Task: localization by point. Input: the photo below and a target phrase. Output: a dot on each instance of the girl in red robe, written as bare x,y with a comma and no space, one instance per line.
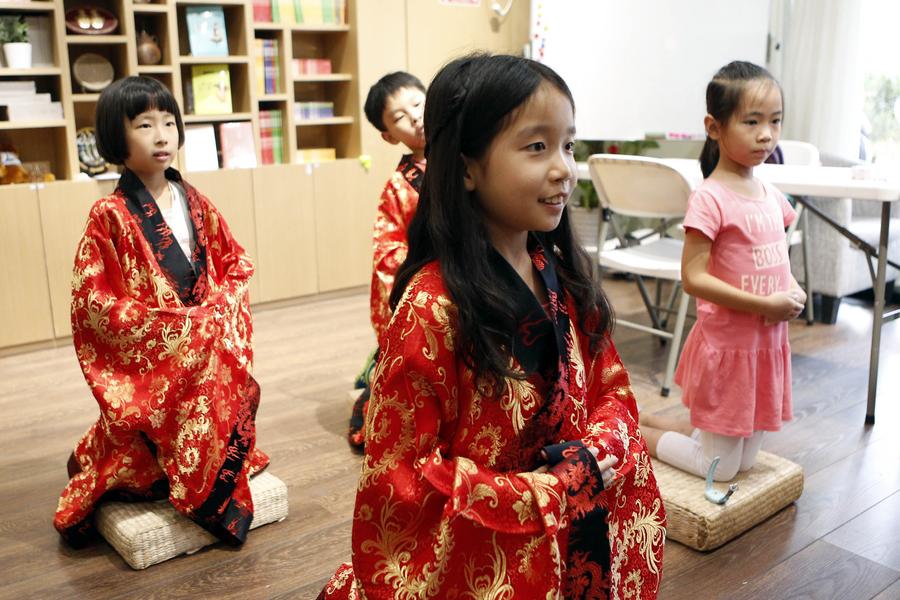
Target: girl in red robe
503,457
162,330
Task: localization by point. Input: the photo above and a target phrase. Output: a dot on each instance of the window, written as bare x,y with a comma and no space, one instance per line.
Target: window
881,64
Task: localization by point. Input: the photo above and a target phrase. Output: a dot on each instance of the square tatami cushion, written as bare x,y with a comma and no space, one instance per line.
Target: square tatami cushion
771,484
146,533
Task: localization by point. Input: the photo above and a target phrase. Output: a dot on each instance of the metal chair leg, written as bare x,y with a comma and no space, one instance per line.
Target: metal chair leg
676,344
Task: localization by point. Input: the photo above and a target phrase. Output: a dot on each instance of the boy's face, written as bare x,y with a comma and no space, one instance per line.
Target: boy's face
402,118
152,141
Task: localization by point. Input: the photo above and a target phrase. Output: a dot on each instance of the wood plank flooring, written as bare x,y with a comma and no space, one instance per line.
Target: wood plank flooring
841,539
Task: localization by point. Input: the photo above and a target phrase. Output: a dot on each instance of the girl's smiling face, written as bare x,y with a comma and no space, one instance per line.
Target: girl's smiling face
152,141
528,172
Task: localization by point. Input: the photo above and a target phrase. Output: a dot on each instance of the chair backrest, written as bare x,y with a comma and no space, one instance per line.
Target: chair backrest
639,186
799,153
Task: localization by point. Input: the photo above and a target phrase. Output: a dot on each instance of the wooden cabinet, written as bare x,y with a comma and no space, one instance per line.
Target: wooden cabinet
24,298
286,244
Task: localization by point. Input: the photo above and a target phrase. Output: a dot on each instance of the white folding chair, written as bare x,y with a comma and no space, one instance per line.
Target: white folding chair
801,153
636,186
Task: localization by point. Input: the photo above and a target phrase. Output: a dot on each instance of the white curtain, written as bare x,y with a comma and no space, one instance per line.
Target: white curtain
822,75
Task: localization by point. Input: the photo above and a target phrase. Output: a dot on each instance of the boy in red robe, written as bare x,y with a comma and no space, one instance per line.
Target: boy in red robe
394,105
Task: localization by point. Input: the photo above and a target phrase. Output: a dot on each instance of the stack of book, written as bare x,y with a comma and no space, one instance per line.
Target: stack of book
19,101
311,66
271,138
304,111
268,66
305,12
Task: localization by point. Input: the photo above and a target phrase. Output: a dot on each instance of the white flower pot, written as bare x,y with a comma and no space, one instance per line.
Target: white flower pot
18,55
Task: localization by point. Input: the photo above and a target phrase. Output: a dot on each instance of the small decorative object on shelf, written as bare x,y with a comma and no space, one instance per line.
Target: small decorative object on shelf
92,72
12,170
206,30
89,159
91,20
14,37
148,52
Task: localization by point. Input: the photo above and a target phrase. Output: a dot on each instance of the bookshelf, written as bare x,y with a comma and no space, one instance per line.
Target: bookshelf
165,22
335,91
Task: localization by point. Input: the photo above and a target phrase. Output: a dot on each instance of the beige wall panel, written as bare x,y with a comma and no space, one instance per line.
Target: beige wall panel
437,33
285,231
231,191
346,199
25,315
381,37
64,211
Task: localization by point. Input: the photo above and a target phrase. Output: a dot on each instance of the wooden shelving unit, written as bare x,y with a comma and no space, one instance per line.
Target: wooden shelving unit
338,44
166,20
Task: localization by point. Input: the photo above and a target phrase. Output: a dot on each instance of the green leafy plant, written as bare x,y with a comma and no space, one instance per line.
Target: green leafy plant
584,148
13,28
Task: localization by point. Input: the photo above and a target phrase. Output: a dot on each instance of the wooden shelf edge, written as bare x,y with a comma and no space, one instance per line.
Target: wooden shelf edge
231,59
33,71
48,124
331,121
150,8
243,116
91,40
323,78
28,6
272,98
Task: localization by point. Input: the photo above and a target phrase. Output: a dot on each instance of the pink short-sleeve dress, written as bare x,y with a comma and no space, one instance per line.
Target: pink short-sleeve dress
735,369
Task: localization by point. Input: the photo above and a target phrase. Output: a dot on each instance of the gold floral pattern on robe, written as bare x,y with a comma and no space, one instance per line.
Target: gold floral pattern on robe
434,519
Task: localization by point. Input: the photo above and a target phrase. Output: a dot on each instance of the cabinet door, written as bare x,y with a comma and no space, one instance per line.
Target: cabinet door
285,232
64,210
346,199
231,191
25,315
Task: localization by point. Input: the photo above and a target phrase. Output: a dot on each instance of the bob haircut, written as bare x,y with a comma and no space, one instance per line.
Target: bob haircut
126,99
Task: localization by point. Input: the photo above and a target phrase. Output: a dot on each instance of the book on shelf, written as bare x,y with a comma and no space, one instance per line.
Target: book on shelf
19,101
236,141
314,155
286,12
268,66
271,137
322,12
262,11
211,89
206,30
200,153
311,66
304,111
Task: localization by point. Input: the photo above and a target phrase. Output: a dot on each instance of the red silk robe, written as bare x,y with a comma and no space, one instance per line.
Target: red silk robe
165,346
448,502
395,211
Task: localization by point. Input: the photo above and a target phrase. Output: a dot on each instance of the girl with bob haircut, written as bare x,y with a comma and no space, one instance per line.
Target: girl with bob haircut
162,331
503,457
735,368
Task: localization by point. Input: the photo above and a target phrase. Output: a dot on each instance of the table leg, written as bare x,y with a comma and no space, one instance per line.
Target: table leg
878,311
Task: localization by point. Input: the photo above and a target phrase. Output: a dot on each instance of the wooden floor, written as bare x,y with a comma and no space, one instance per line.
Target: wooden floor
840,540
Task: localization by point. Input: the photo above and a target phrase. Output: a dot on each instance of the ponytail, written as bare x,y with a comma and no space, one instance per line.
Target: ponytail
709,157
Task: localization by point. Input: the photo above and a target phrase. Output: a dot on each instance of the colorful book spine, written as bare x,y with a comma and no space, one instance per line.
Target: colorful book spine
271,137
262,11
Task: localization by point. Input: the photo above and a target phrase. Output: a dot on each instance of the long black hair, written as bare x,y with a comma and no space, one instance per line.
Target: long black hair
469,102
723,97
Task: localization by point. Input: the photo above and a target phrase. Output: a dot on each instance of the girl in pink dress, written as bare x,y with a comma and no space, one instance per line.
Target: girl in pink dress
735,368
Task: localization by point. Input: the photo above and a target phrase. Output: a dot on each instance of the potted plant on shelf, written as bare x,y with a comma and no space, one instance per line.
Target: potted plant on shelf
14,37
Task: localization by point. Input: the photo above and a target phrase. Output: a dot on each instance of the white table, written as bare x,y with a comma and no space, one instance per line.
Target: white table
827,182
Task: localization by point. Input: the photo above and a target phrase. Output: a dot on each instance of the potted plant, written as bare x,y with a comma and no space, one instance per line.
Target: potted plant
14,37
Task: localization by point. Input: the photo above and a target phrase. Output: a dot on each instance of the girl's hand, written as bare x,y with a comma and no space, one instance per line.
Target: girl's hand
605,466
783,306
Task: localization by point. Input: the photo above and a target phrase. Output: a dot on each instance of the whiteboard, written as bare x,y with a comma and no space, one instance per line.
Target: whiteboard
639,67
